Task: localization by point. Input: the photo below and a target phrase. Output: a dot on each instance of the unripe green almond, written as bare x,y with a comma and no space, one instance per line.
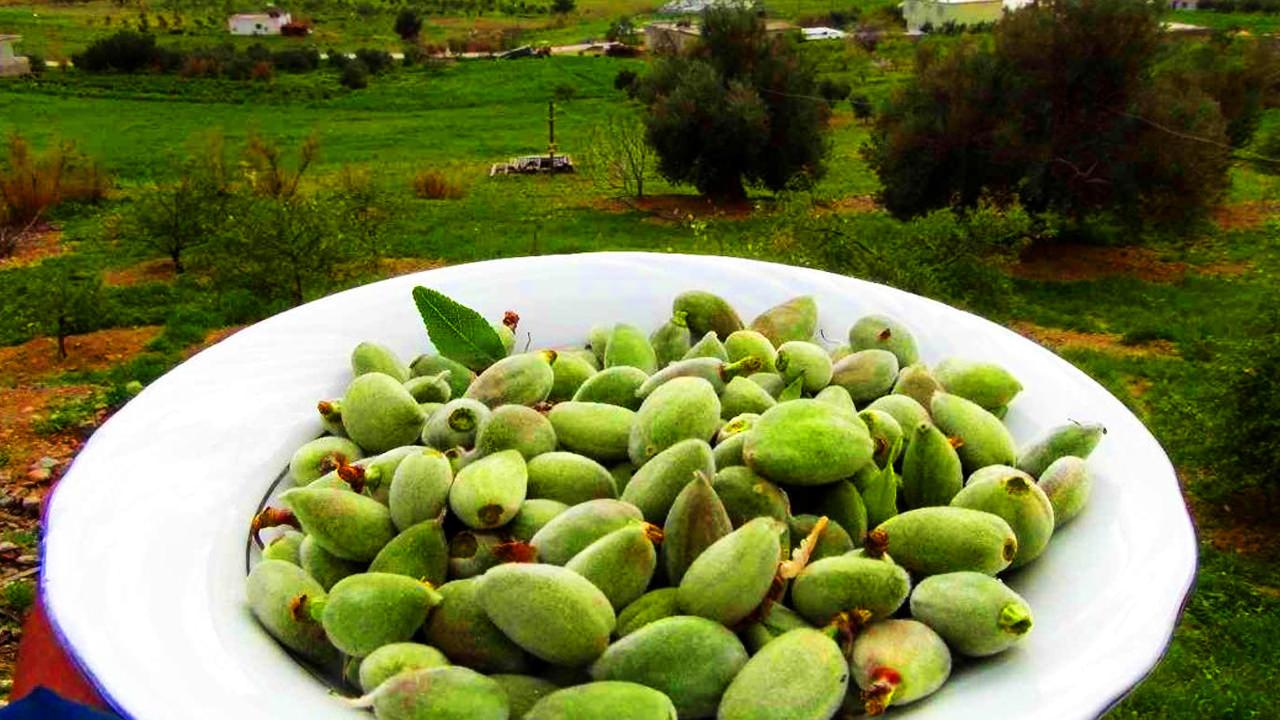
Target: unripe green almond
795,319
709,346
570,532
629,346
377,473
749,343
776,621
1073,439
806,442
599,431
681,409
488,492
832,541
772,382
524,379
802,359
983,439
321,456
837,397
440,693
730,578
421,552
976,614
1067,482
523,691
936,540
841,352
419,488
931,472
671,340
917,382
471,553
604,701
598,340
1014,496
741,396
705,312
430,388
507,335
331,417
620,564
747,496
885,433
842,503
622,473
878,488
896,662
866,374
429,409
366,611
696,520
728,452
650,607
570,373
515,427
534,514
613,386
459,627
739,423
551,612
903,408
460,376
654,487
351,526
391,660
455,424
278,594
324,566
689,659
378,413
844,583
286,546
713,370
881,332
369,357
581,353
801,675
569,478
984,383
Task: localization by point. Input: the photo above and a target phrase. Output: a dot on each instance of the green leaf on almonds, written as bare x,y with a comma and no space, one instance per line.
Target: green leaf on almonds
458,332
792,391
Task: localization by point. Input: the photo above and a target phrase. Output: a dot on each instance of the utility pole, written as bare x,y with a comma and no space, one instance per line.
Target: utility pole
551,130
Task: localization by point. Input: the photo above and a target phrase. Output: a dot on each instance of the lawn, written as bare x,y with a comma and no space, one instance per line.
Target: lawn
1256,23
464,116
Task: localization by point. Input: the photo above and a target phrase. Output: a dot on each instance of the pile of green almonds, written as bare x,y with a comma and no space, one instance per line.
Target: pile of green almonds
710,520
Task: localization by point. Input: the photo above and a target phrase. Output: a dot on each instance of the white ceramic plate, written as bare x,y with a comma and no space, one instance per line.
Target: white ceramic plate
145,553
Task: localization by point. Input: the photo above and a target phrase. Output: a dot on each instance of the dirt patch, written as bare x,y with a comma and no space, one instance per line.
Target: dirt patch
1139,387
682,208
392,267
1060,339
157,270
1244,216
38,359
1065,262
854,205
1244,524
1226,268
20,410
38,245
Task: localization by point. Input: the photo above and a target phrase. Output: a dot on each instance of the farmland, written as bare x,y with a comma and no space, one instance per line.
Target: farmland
1160,322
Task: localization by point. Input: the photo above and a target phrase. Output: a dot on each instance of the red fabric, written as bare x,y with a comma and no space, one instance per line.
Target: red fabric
42,661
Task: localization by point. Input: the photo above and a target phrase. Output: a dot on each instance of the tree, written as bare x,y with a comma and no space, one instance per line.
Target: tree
740,108
267,171
1064,111
62,297
408,25
619,157
563,7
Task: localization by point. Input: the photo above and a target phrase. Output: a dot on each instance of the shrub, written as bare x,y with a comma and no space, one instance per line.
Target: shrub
375,61
834,90
296,60
625,79
436,185
1252,409
563,7
861,105
354,75
262,70
38,65
408,24
31,184
295,29
125,51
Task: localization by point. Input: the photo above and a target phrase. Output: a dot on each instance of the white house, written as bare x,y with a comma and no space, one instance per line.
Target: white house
264,23
822,33
936,13
11,64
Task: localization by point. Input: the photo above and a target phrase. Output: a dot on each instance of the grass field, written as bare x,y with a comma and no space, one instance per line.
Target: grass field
1210,288
1256,23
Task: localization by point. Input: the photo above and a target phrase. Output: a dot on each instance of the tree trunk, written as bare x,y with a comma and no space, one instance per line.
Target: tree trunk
297,288
62,339
728,191
176,256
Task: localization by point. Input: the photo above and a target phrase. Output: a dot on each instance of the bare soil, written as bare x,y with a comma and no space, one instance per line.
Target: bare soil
38,359
38,245
1060,339
1244,216
157,270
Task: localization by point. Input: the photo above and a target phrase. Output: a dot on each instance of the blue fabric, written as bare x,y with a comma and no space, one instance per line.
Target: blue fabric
44,704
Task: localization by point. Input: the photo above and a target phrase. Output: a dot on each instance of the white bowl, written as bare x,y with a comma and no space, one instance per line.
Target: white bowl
145,551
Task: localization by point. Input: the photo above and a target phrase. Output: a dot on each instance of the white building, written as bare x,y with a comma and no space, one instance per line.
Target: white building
936,13
265,23
11,64
822,33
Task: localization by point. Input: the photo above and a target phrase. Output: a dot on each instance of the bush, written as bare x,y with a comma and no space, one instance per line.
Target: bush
563,7
125,51
625,80
296,60
375,61
354,75
1252,410
31,184
436,185
861,106
408,24
38,65
834,90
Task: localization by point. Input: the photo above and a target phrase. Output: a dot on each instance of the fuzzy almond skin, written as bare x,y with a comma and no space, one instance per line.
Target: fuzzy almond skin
349,525
455,424
696,520
488,492
936,540
286,546
742,396
569,478
369,357
728,452
570,372
866,374
1068,482
904,409
1072,439
272,588
842,503
524,379
843,583
516,427
419,488
881,332
378,413
776,621
800,675
650,607
440,693
471,552
459,627
671,340
551,612
460,376
708,346
629,346
366,611
837,397
571,531
984,440
984,383
807,442
705,312
320,456
803,359
430,389
931,469
833,541
523,691
613,386
597,430
390,660
324,566
534,514
1014,496
689,659
654,487
685,408
794,319
885,433
976,614
620,564
746,496
609,700
421,552
917,382
906,655
730,578
749,343
770,381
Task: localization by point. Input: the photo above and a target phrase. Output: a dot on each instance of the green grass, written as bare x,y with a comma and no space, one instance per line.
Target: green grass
1256,23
